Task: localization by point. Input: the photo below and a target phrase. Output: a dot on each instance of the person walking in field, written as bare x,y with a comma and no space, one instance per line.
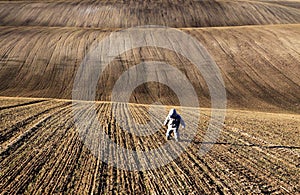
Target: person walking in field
173,122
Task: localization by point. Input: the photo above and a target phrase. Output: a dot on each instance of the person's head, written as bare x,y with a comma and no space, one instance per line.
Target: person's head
173,113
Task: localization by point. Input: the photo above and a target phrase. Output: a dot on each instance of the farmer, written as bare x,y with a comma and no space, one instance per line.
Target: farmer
173,121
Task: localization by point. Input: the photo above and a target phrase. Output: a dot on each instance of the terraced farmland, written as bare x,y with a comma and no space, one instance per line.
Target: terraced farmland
42,152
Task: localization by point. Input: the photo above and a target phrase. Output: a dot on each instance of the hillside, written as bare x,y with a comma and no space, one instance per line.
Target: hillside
287,3
123,14
259,64
51,143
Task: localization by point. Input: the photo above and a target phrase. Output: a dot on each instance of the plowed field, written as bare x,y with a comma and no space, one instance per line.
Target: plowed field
41,152
43,62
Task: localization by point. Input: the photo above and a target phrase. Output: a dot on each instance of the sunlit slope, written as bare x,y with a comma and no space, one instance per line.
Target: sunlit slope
287,3
119,14
260,65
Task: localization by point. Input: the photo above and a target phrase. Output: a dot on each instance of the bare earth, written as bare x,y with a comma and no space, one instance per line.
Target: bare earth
256,45
42,62
41,152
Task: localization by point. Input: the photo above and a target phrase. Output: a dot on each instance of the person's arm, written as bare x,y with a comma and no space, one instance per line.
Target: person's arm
166,121
182,123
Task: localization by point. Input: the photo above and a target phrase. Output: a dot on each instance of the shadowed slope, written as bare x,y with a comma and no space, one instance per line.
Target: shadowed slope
260,65
119,14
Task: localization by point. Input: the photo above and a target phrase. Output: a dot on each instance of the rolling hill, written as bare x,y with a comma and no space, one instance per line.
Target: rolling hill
44,150
259,64
124,14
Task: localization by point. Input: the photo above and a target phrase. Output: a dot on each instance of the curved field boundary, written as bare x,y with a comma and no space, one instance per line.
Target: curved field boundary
124,14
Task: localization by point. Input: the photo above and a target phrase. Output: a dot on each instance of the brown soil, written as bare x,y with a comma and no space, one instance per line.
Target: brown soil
41,152
259,64
256,45
124,14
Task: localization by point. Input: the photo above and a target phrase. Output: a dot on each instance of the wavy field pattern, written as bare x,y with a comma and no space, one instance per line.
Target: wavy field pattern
256,46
